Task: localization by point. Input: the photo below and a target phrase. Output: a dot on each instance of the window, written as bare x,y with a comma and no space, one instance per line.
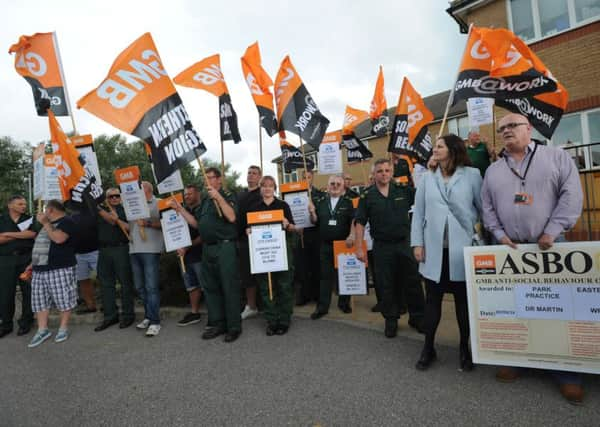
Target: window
582,128
459,126
535,19
290,177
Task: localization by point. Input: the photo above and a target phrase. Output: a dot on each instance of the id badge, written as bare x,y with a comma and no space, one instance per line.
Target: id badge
523,199
332,222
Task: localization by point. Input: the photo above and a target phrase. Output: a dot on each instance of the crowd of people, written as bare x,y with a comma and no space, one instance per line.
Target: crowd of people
415,220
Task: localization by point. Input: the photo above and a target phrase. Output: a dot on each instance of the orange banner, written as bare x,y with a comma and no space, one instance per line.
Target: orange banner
378,103
352,118
287,83
293,187
128,174
265,217
205,75
82,140
339,247
163,204
335,136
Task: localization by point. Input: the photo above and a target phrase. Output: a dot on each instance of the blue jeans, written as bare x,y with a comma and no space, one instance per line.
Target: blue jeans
144,267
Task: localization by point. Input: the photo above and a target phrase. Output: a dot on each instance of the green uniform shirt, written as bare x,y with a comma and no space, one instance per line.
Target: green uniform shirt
351,194
334,224
211,227
480,158
388,216
111,235
16,246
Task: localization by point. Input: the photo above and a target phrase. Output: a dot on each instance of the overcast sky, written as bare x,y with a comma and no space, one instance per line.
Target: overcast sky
336,47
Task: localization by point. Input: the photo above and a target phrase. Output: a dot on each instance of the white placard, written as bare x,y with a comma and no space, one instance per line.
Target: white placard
91,161
298,203
480,111
170,184
352,275
38,178
25,224
267,248
330,158
175,230
134,201
51,184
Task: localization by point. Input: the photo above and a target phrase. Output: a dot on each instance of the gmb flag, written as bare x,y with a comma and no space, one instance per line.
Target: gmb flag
207,75
292,157
356,150
77,182
378,109
409,133
139,98
498,64
258,82
36,59
296,110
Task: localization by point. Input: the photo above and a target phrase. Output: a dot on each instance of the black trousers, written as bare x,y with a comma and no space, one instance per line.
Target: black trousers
433,304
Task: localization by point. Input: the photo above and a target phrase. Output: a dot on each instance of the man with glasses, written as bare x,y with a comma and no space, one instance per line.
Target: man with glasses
113,262
216,223
333,214
385,206
531,195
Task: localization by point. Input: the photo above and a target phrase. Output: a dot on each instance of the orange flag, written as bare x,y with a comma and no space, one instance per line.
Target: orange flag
37,61
76,182
207,75
258,82
138,97
378,109
352,118
409,134
356,150
497,64
297,112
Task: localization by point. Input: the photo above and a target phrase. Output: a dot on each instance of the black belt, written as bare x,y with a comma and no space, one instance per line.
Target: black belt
217,242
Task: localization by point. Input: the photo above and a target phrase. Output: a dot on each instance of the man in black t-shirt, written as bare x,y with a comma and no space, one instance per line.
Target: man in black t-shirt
53,282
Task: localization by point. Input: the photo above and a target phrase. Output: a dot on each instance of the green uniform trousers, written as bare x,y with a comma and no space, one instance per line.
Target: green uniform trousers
328,280
279,310
113,264
220,278
398,275
11,266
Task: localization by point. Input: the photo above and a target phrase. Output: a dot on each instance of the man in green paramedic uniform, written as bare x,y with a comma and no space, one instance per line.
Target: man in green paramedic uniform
17,232
219,269
333,213
385,206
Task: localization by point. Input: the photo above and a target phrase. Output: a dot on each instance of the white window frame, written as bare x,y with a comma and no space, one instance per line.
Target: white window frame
585,136
537,28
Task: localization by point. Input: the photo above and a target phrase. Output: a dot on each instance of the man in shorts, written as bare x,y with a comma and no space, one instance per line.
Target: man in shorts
53,281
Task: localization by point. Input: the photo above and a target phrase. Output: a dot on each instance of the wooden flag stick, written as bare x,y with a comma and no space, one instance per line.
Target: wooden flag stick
260,145
201,164
305,168
270,286
142,230
451,96
40,206
181,260
222,159
64,81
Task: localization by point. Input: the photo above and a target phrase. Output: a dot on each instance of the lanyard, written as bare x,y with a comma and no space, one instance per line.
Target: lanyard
332,211
522,178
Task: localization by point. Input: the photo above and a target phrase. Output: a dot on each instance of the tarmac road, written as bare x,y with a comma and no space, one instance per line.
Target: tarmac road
324,373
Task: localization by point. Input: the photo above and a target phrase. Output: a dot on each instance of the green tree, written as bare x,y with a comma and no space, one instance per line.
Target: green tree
113,152
15,169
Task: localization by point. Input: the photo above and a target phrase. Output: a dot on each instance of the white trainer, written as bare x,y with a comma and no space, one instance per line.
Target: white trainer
143,324
249,312
153,330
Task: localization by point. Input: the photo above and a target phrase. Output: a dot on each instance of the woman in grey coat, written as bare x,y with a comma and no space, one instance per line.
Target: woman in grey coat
447,207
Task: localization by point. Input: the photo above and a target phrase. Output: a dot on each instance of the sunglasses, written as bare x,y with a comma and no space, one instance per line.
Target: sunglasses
509,126
114,196
335,184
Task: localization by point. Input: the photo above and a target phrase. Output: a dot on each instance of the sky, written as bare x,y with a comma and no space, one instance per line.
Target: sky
335,45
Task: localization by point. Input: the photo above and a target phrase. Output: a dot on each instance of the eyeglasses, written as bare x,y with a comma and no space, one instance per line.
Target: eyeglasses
335,184
114,196
509,126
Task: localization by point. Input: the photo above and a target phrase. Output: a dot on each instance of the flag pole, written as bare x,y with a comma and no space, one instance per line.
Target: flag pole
62,76
304,161
451,96
270,286
201,164
260,145
222,159
181,261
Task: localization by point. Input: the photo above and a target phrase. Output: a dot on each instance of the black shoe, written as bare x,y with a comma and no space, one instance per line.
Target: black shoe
466,361
125,323
5,332
282,329
391,328
416,324
85,310
212,333
105,324
23,330
271,330
232,336
190,319
346,309
317,314
428,356
376,308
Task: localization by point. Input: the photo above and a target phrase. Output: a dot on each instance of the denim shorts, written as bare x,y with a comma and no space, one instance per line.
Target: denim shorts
86,263
191,277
